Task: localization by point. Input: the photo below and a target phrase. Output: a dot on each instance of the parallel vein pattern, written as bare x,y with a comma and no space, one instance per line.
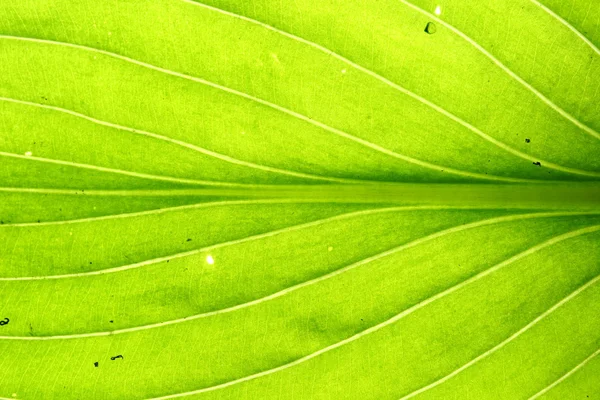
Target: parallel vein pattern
407,312
333,199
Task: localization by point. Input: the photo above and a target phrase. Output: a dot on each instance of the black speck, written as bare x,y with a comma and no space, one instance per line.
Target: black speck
539,164
189,240
90,262
4,321
111,321
430,28
96,364
115,357
527,140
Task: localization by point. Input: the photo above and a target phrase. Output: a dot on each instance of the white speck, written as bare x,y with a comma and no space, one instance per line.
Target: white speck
14,395
28,154
344,71
329,248
275,58
109,33
71,233
210,260
438,10
243,132
94,207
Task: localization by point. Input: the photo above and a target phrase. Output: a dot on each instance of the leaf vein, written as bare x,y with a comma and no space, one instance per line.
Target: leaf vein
181,143
116,171
565,376
512,74
390,321
568,25
233,242
403,90
506,341
338,132
414,243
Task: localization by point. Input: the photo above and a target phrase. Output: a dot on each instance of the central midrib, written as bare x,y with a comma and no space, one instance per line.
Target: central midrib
557,195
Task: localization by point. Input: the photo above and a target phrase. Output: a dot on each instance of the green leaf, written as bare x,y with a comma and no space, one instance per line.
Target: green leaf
303,199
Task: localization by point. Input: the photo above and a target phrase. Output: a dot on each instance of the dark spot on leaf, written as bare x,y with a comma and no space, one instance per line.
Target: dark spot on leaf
527,140
115,357
111,321
96,364
4,321
539,164
430,28
189,240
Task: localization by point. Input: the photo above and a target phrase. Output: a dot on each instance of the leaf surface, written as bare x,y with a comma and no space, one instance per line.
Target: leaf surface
310,199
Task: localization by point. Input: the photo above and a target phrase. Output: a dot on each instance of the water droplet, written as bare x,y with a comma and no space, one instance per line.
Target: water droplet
210,260
438,10
430,28
28,154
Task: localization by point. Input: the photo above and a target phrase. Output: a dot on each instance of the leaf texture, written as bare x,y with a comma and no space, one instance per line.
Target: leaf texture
299,200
